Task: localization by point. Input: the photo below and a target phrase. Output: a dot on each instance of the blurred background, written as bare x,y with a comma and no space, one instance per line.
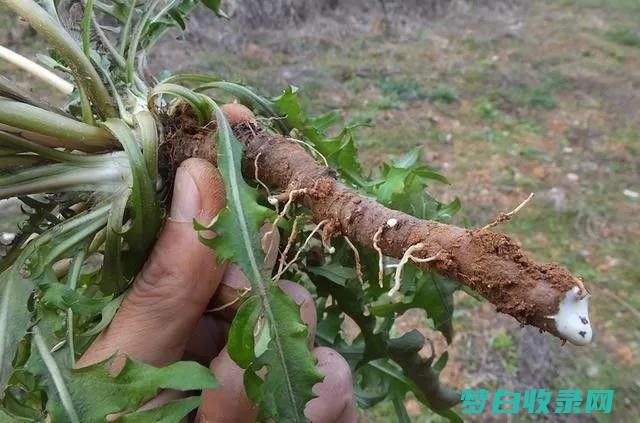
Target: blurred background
504,98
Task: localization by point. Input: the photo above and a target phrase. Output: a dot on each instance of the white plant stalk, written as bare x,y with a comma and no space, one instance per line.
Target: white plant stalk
62,85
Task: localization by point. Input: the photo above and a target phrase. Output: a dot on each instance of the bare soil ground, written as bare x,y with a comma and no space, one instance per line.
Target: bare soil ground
542,97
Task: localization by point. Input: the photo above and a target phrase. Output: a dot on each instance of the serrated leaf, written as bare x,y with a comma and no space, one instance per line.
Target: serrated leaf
419,377
291,367
449,210
340,151
107,313
31,268
90,394
394,183
287,104
289,378
59,296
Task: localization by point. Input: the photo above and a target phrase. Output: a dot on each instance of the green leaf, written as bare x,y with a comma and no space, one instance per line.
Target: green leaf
419,377
107,313
113,277
197,101
171,412
448,211
288,105
334,272
65,405
90,394
433,294
340,151
291,372
215,6
241,334
31,268
394,183
15,316
291,367
59,296
143,201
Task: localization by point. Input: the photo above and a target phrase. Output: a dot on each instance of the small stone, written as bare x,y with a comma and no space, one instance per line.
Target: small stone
572,177
7,237
567,150
631,194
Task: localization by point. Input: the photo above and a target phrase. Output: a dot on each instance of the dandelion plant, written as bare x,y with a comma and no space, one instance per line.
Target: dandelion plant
94,177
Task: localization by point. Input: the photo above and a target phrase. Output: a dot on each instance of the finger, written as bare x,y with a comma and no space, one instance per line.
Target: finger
229,402
173,289
303,298
237,114
207,340
334,401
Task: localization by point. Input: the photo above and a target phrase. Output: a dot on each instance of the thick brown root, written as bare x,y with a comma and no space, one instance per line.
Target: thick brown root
488,262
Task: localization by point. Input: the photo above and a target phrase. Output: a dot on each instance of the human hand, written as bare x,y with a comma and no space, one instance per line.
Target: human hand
162,320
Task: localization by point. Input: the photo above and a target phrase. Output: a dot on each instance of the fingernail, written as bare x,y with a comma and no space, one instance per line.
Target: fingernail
186,204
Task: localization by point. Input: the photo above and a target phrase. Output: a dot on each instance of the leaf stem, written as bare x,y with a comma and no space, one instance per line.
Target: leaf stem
65,132
56,376
62,85
60,177
137,35
19,144
112,274
126,29
72,283
15,161
86,27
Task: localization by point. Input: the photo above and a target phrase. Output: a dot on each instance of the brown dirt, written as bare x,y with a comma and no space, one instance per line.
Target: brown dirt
184,138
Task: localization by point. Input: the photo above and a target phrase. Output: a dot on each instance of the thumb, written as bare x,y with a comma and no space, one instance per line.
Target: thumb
173,289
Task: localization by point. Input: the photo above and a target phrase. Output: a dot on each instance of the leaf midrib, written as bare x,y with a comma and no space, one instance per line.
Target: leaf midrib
257,275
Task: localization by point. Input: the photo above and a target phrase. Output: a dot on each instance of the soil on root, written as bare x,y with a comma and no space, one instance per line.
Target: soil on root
184,138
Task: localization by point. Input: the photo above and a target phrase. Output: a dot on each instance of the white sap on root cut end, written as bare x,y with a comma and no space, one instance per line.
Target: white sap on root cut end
572,320
392,222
